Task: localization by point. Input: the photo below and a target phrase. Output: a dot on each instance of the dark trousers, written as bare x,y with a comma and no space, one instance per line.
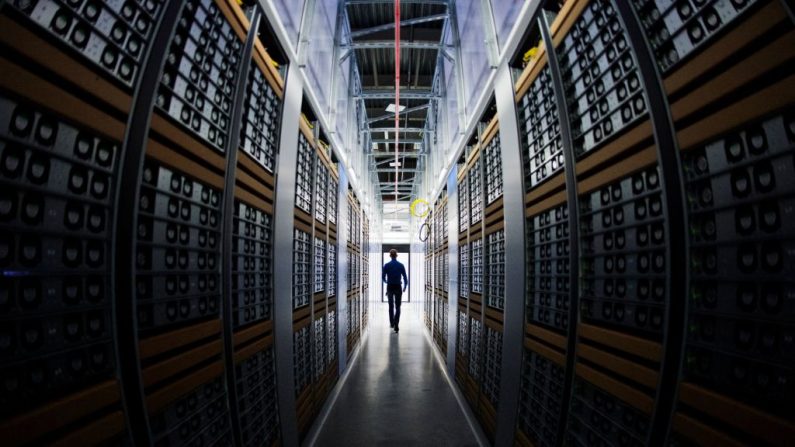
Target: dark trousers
394,294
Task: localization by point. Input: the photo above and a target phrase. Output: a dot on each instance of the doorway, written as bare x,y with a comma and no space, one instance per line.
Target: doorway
405,258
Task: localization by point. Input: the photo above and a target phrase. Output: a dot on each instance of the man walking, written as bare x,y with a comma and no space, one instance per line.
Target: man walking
391,274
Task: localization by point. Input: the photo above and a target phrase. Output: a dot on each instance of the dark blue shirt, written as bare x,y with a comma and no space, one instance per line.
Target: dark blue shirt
392,272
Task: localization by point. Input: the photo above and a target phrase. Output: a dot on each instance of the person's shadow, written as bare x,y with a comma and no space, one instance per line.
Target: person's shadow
393,362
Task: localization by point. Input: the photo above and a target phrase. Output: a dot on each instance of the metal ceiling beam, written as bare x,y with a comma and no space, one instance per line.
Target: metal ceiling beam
389,189
402,140
383,164
375,69
355,86
392,194
307,18
413,154
416,44
392,129
386,187
492,45
388,26
392,114
410,180
389,94
345,55
338,36
402,184
459,67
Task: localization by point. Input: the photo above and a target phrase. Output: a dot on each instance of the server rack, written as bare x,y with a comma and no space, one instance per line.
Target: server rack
657,142
365,270
166,195
59,166
661,153
140,148
358,276
430,268
437,272
314,275
481,281
37,149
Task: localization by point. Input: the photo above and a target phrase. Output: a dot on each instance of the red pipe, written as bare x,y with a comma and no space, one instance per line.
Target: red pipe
397,93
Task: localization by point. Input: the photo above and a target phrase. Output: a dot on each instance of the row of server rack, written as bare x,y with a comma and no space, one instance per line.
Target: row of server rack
437,260
315,276
657,141
479,293
139,146
358,272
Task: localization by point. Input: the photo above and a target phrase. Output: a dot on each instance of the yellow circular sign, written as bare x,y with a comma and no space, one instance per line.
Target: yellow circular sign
413,208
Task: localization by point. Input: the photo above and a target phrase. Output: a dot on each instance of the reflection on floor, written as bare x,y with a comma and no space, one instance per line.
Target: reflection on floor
396,394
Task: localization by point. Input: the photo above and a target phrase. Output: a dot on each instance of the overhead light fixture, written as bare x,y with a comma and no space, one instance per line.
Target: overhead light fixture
391,108
386,135
395,164
375,146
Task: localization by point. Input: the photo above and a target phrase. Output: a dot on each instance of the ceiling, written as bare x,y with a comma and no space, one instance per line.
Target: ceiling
372,37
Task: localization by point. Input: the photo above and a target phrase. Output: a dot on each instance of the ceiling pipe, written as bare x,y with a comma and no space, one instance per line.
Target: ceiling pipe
397,94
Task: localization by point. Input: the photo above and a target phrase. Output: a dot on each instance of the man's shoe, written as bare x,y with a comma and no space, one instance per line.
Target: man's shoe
392,325
396,329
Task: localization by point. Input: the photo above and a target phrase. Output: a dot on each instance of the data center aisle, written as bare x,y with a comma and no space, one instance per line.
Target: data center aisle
396,394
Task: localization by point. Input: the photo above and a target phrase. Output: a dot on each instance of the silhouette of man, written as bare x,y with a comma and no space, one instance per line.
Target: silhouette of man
391,274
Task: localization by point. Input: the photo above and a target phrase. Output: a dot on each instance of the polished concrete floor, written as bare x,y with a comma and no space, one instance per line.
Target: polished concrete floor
396,394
